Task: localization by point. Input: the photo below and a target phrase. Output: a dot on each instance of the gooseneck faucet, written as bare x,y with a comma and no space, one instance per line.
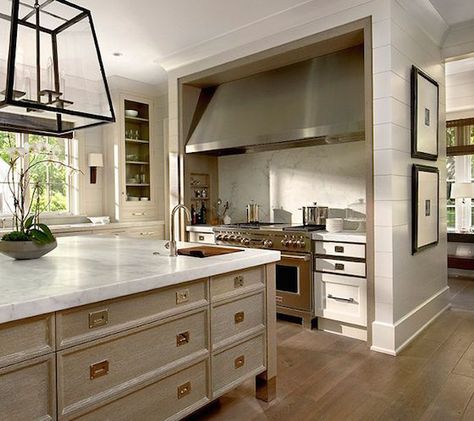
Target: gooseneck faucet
172,243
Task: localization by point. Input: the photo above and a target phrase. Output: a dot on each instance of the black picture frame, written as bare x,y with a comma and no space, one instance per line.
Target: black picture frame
416,170
416,151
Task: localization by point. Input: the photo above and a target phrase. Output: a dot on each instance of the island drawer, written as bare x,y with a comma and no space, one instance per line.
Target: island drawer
27,338
234,365
341,298
343,267
236,283
340,249
82,324
236,317
180,393
28,390
111,364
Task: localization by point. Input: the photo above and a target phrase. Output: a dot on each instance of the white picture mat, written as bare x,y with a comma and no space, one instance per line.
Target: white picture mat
427,225
427,99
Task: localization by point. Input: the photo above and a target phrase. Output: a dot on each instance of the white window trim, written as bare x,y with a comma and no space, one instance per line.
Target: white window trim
463,174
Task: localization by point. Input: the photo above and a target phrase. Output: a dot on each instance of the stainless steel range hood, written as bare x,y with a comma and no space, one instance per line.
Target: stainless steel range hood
311,102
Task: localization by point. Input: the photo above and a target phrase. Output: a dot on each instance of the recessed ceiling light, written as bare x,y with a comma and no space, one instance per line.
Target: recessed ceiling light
118,54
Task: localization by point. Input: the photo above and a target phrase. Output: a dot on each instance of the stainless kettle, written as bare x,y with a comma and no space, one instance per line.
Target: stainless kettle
315,215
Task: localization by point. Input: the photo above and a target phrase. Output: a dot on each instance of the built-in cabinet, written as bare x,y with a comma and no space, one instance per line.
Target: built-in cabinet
135,160
150,356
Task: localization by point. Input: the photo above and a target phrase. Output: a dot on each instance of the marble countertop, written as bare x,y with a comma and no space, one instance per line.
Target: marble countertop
344,236
87,269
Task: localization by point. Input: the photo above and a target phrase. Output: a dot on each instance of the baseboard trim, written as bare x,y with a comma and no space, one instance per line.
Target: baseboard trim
391,339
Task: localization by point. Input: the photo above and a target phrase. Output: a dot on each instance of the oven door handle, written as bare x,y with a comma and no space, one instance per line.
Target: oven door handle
289,256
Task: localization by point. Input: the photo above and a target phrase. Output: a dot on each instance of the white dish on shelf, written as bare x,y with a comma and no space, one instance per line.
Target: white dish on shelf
144,199
131,113
133,198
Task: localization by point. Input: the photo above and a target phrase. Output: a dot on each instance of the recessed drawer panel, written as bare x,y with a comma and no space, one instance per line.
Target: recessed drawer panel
111,364
160,400
340,249
28,390
236,283
343,267
341,298
235,364
237,317
200,237
82,324
25,339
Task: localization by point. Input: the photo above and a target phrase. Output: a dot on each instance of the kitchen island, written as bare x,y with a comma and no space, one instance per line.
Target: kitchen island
113,328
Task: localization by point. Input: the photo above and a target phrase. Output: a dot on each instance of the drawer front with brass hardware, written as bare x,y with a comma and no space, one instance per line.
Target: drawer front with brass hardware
160,400
237,363
25,339
28,390
88,370
85,323
330,248
341,298
342,267
236,283
236,317
203,238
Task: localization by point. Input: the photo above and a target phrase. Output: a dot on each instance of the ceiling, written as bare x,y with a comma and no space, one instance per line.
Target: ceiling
147,32
460,86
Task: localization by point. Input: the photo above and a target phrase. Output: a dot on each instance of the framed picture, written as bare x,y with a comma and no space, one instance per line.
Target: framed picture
424,115
425,207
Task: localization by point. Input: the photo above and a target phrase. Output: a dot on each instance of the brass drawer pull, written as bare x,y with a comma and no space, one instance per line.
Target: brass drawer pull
339,249
339,266
238,281
347,300
98,318
239,361
183,390
182,296
99,369
239,317
182,338
138,213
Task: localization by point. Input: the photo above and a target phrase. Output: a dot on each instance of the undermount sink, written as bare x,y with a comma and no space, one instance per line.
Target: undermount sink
206,251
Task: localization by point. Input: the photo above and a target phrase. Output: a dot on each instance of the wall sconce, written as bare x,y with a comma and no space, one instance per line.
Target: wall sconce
96,160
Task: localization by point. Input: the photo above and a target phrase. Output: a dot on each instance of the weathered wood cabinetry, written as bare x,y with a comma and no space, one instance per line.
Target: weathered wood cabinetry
155,355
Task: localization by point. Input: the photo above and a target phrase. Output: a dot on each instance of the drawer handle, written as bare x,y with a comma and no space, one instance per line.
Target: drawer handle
182,338
201,238
238,282
239,317
184,390
339,266
182,296
98,318
138,213
339,249
147,233
239,361
347,300
99,369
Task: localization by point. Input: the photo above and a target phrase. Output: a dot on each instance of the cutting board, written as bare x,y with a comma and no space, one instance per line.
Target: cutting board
206,251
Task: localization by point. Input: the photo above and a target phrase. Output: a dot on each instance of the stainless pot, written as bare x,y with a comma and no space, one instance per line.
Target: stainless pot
252,212
315,215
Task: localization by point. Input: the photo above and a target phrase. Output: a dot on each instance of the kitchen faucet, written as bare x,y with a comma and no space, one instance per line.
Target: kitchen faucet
172,243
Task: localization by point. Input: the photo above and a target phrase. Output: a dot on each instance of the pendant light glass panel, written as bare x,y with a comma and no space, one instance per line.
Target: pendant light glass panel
57,83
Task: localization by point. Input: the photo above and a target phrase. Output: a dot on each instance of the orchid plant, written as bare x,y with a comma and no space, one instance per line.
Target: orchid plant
26,192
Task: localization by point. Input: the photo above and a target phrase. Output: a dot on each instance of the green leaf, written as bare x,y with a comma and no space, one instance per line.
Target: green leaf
29,222
39,237
47,231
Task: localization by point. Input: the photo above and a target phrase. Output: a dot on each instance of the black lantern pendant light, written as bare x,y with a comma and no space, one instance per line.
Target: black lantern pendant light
52,78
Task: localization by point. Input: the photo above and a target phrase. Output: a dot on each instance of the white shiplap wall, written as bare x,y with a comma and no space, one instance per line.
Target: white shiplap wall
406,287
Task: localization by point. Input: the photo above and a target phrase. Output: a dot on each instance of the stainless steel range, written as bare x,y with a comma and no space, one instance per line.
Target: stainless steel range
294,284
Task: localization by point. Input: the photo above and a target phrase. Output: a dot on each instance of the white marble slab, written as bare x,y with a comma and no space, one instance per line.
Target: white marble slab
343,236
87,269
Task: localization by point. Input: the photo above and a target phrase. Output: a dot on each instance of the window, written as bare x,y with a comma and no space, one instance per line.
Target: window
460,169
59,186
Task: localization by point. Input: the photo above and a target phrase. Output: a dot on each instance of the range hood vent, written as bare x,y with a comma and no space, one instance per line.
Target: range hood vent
317,101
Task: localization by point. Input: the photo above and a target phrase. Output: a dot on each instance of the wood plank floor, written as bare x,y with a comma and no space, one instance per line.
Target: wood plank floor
327,377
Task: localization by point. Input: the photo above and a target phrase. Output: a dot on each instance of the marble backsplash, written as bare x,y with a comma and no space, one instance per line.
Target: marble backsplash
283,181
